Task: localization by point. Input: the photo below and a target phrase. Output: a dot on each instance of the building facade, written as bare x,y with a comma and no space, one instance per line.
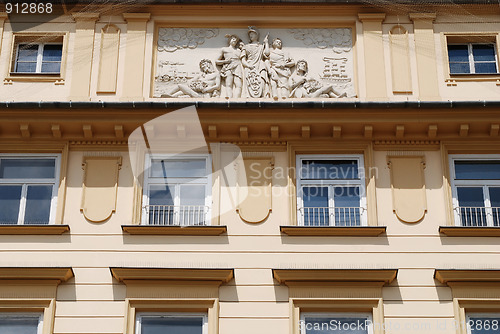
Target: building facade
297,167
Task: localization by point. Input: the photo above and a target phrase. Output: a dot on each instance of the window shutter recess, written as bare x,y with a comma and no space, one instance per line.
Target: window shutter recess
254,188
100,184
408,187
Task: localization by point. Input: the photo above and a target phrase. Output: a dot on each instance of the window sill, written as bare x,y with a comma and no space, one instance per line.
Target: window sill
40,77
453,78
461,231
355,231
174,230
33,229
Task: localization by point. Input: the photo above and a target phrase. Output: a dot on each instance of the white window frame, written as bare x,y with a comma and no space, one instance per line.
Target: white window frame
25,182
485,184
332,315
480,315
472,66
331,183
25,315
39,58
171,315
194,180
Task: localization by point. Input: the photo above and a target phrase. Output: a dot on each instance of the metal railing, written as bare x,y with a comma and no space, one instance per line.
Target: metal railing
479,216
183,215
337,216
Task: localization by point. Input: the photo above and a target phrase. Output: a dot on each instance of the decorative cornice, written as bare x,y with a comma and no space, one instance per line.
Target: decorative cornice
173,274
85,16
136,17
422,16
213,230
332,231
335,275
371,17
455,275
36,273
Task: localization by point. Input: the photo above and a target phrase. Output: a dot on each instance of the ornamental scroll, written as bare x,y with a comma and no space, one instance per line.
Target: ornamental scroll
408,187
211,63
100,185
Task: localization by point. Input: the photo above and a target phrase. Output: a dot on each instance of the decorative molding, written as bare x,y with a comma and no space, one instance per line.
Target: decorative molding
446,276
371,17
136,17
333,231
338,39
217,275
385,276
36,273
470,231
33,229
213,230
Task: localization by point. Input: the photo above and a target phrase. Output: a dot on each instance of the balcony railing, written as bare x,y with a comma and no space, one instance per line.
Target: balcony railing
337,216
479,216
171,215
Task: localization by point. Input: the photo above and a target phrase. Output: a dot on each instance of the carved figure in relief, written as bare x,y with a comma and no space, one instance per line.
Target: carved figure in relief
206,84
303,85
232,71
280,64
253,59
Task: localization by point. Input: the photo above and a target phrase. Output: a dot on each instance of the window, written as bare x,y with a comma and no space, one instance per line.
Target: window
476,190
178,323
483,323
21,323
28,189
38,58
332,323
472,58
177,190
331,190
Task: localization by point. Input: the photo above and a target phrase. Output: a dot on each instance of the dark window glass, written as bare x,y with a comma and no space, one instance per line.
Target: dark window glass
317,325
471,203
347,202
38,199
458,53
316,212
483,52
173,325
27,168
477,170
19,325
484,325
10,199
329,170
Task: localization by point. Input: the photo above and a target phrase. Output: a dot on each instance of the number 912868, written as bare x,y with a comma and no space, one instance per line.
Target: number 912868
28,8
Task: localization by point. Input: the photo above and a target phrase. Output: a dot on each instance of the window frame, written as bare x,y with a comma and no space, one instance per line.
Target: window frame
39,59
331,183
24,185
148,180
471,62
6,315
138,319
333,315
484,184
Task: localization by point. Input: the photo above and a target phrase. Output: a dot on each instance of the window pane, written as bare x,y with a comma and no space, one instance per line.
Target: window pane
52,53
51,67
179,325
329,170
38,204
483,52
315,206
178,168
495,203
477,170
317,325
27,52
486,67
347,202
27,168
26,68
459,68
192,210
19,325
161,201
484,325
10,198
471,202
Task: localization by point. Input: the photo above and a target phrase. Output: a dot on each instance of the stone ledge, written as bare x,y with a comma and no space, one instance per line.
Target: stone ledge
329,231
174,230
33,229
466,231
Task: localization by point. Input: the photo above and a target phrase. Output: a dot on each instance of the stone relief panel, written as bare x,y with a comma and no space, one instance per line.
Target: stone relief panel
254,63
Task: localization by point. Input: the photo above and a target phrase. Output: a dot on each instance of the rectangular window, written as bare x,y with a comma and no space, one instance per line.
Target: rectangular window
177,190
472,58
171,323
28,189
21,323
336,323
483,323
331,190
476,190
38,58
